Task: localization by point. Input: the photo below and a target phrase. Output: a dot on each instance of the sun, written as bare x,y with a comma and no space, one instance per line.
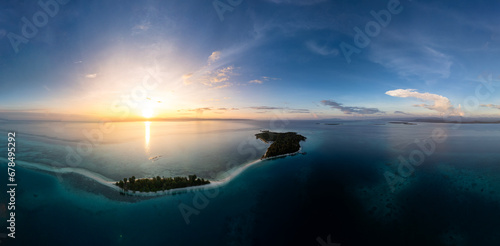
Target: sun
147,113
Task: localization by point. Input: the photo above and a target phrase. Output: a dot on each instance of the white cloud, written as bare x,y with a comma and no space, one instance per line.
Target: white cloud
91,76
214,57
428,63
261,80
490,106
411,56
255,81
321,50
440,103
219,78
200,110
210,75
185,78
265,109
142,27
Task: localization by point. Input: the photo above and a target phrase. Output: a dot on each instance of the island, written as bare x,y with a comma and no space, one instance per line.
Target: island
402,123
281,143
159,183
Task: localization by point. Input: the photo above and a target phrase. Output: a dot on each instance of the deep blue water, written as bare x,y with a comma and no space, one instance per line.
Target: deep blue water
337,189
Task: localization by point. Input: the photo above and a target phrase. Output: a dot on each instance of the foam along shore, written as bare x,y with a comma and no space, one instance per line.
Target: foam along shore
99,178
112,183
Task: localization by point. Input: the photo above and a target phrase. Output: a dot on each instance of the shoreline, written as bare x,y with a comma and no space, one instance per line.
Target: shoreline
283,155
105,181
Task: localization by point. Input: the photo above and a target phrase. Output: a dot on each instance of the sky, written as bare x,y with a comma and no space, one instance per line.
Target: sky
259,59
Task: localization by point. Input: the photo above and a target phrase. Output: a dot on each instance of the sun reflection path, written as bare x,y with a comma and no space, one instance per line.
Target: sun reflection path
147,134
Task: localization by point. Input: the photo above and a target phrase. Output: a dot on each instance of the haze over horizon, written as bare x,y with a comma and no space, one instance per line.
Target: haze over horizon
254,60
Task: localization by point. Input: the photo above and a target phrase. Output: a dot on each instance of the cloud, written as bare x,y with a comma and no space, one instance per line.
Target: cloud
265,108
223,110
255,81
299,111
214,57
490,106
200,110
321,50
440,103
185,78
209,75
400,112
218,76
415,59
349,109
216,79
32,110
142,27
227,109
261,80
91,76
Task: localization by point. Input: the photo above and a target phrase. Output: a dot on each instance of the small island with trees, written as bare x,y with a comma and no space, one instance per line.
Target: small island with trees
159,183
281,143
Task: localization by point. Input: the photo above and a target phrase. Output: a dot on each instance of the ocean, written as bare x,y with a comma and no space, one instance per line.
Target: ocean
356,183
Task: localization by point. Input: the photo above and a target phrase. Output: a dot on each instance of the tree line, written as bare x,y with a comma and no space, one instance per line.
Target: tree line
283,143
159,183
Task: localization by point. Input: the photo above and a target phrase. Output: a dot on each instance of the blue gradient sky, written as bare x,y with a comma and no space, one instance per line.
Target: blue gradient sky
265,58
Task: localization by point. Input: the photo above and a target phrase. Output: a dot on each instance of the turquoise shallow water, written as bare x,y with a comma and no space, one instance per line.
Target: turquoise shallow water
338,188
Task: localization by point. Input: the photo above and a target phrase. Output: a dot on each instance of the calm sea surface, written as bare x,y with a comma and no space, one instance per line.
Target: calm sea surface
443,191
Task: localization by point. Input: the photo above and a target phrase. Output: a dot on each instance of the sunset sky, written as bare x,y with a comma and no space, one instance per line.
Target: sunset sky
177,59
